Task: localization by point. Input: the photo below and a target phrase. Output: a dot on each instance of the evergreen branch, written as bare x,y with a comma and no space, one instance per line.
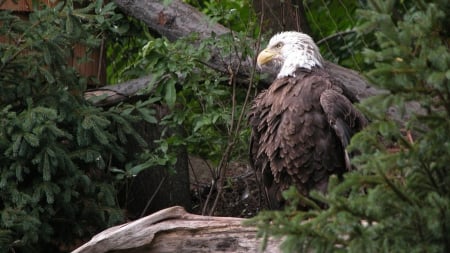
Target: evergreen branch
308,202
332,36
430,176
392,185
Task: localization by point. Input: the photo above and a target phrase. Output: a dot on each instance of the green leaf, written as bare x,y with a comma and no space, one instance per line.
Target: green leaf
98,5
138,168
203,121
170,93
147,115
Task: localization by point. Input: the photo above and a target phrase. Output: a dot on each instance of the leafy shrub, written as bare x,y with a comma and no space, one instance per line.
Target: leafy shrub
200,99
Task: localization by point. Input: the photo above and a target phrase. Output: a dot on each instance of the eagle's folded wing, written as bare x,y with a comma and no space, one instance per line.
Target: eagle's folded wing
342,116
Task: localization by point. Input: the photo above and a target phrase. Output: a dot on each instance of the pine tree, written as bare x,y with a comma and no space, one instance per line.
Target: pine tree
55,146
398,199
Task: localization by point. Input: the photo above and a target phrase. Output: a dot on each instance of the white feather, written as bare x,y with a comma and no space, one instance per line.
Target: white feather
298,51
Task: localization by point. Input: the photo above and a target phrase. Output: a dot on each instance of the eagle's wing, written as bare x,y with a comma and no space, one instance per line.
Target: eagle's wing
272,190
342,116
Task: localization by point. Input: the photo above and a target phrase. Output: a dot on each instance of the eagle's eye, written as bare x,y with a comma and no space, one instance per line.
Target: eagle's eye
278,45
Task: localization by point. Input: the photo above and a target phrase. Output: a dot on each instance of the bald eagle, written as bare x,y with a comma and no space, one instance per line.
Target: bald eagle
302,123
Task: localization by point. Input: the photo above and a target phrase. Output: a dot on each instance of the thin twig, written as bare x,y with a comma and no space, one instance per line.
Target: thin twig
222,169
195,177
223,165
100,61
332,36
205,206
258,46
234,135
153,196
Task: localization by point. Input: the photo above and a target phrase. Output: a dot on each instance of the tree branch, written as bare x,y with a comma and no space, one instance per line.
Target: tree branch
332,36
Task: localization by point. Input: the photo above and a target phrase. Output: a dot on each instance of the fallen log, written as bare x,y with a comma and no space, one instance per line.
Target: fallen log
114,94
171,19
175,230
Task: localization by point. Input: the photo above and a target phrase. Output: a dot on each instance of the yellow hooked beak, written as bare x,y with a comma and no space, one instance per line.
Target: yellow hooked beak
265,56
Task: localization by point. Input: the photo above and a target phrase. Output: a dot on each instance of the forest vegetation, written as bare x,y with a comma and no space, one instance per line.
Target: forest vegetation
65,160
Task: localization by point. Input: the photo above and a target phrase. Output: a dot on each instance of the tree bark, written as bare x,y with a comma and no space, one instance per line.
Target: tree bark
282,15
175,230
157,187
173,20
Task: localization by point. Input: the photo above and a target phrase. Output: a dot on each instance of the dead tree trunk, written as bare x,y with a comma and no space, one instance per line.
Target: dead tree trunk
157,187
282,15
175,230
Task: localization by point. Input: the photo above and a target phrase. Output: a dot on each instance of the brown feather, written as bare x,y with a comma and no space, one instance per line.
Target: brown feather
299,125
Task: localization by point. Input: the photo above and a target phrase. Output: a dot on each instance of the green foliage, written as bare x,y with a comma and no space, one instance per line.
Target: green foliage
58,178
237,15
333,25
124,51
198,96
398,200
205,103
55,184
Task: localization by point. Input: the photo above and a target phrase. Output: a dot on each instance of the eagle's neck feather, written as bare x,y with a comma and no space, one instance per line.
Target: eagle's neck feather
301,59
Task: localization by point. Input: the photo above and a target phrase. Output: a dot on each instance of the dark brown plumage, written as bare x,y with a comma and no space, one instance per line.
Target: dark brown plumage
300,127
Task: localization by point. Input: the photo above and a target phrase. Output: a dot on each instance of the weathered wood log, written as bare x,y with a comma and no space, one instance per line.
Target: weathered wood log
172,19
114,94
175,230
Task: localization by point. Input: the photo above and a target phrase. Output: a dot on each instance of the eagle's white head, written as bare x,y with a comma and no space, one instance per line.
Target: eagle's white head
290,51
